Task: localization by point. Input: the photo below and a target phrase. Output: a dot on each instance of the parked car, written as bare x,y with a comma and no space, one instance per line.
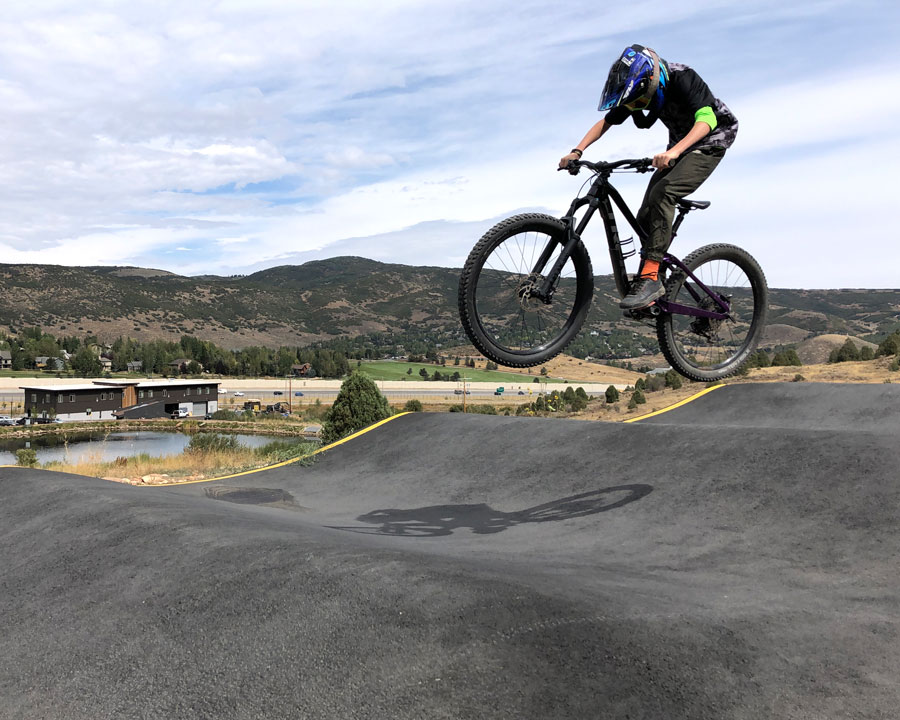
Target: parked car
223,391
238,393
278,392
6,420
298,394
521,392
181,413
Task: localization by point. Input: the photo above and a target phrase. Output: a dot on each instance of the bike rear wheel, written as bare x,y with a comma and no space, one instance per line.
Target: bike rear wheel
707,349
501,317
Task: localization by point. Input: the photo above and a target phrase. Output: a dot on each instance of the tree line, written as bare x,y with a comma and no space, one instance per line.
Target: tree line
83,356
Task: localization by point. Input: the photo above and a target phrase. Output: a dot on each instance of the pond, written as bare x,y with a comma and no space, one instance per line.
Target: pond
106,447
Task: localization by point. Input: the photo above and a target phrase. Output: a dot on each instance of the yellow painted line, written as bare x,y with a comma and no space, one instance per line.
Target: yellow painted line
676,405
286,462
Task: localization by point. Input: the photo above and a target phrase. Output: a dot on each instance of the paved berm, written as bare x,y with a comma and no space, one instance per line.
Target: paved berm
733,558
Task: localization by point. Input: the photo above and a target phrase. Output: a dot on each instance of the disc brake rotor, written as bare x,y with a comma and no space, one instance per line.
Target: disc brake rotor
527,290
707,327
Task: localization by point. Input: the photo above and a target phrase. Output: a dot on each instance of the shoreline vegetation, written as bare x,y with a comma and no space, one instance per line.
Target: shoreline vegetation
207,456
259,426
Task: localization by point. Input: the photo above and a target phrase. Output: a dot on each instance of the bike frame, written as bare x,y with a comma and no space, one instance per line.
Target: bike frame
601,197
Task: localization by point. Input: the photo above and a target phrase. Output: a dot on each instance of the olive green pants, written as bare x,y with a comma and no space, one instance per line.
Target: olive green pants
666,187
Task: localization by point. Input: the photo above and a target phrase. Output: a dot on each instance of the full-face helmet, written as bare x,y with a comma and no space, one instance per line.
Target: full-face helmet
636,80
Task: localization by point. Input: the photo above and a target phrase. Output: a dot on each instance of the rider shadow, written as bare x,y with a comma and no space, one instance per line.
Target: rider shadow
439,520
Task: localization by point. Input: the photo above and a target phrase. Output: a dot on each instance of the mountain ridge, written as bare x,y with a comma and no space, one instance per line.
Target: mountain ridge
339,297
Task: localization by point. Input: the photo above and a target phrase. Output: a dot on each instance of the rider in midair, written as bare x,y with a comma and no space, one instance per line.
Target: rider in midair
701,128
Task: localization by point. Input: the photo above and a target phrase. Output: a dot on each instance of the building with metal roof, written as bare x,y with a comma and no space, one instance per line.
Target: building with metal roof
108,399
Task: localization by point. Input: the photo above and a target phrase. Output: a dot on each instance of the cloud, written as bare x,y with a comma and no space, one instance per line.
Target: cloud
265,130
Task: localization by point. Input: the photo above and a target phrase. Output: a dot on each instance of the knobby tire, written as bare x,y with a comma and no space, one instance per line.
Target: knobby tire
468,300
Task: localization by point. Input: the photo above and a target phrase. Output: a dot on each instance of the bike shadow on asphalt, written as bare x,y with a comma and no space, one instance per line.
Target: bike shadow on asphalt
482,519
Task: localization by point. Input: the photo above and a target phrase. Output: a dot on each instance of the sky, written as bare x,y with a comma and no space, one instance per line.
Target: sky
227,137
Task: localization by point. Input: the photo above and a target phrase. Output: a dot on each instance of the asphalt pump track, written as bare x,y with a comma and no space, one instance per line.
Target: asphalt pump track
736,557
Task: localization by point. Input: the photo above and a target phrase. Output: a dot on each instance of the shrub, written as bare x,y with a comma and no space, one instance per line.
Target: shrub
26,457
895,365
638,396
612,394
845,353
281,450
653,383
798,378
226,415
212,442
786,358
640,384
579,391
673,380
412,406
632,404
890,345
866,353
358,405
475,409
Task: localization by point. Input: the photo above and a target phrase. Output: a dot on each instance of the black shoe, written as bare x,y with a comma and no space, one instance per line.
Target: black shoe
644,292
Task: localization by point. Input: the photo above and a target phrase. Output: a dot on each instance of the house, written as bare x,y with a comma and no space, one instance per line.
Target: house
301,370
40,362
5,359
134,366
55,364
105,364
180,365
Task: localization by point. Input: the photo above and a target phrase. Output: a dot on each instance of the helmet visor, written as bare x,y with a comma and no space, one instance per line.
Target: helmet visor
628,80
615,86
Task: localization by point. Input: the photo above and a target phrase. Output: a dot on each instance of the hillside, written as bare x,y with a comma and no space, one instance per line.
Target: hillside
352,296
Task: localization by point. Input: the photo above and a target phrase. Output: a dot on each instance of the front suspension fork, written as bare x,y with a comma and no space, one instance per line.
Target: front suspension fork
544,291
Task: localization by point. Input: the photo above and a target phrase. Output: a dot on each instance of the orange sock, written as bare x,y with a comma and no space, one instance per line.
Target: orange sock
650,269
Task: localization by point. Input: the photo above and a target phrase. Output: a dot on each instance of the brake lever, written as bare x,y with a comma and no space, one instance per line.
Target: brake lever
570,168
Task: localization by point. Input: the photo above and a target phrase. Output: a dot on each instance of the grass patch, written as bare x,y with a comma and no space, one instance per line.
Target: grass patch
391,370
207,455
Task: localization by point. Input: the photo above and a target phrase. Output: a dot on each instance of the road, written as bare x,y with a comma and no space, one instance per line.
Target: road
326,391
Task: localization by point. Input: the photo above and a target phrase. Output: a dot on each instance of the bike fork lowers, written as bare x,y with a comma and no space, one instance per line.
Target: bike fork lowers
573,235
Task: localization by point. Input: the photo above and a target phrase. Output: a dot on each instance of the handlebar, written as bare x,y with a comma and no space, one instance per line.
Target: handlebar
640,165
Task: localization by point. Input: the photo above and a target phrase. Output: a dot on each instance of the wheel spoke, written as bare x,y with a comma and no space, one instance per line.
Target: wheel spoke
709,347
508,310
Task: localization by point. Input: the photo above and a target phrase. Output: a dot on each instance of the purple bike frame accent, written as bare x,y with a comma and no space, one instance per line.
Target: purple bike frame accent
679,309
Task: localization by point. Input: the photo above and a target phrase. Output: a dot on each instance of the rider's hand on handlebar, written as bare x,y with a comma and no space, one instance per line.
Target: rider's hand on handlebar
566,159
664,159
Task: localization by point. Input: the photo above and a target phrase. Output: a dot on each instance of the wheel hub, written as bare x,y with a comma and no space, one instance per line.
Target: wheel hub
529,290
707,327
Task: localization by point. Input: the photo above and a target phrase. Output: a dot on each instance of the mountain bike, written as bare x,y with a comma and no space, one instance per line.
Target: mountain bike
527,286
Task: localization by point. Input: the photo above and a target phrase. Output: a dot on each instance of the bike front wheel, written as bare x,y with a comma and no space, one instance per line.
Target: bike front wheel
497,306
707,349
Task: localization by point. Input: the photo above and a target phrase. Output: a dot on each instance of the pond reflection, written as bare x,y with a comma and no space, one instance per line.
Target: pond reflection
76,447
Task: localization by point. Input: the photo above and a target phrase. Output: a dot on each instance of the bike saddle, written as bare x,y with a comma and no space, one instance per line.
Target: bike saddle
693,204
